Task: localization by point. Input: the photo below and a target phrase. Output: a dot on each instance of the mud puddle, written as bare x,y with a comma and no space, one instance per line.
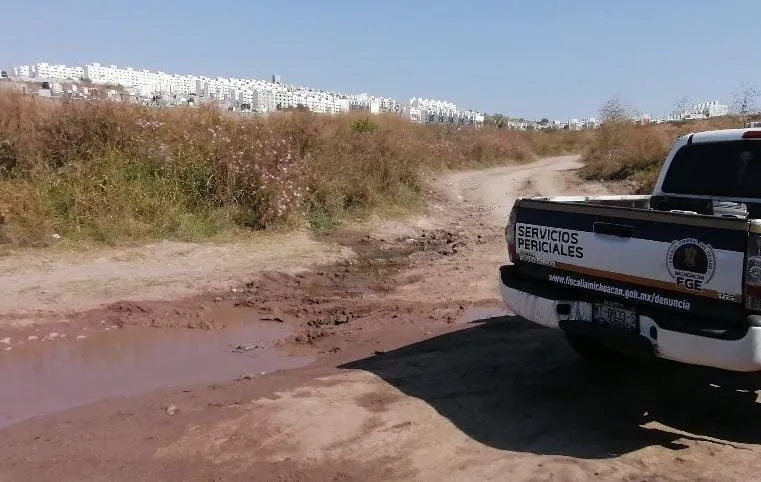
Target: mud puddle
41,378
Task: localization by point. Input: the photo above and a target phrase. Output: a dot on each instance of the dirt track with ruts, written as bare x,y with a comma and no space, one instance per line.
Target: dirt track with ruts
408,369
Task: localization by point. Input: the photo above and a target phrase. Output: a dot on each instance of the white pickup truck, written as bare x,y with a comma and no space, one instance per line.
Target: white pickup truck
675,274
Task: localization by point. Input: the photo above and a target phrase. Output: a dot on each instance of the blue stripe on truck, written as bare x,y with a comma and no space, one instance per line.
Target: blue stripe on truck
593,287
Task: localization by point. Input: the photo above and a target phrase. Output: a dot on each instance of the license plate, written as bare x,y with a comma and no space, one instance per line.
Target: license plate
615,316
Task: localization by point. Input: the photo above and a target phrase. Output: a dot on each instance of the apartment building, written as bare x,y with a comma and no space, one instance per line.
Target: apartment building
374,104
433,107
700,110
441,112
258,95
412,114
264,100
710,109
472,117
45,71
22,72
62,72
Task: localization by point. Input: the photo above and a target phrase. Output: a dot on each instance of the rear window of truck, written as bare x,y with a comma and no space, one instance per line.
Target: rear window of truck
726,169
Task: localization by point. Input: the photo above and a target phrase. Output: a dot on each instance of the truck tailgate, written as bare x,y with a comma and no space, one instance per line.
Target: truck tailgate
662,260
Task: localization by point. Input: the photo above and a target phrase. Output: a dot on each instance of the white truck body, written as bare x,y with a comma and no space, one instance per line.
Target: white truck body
674,275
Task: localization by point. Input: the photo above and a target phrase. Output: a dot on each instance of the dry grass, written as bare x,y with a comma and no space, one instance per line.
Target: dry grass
553,143
625,151
111,172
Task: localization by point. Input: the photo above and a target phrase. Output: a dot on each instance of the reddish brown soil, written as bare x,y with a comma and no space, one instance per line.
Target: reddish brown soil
419,375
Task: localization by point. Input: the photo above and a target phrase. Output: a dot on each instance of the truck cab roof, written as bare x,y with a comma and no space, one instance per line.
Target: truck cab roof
703,168
721,135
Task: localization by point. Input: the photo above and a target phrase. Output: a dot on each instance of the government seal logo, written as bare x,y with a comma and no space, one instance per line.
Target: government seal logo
691,263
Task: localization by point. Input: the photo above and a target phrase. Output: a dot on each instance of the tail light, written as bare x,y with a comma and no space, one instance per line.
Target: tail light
753,273
510,237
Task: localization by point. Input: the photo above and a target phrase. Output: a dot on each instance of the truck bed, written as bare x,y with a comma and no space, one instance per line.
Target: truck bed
629,201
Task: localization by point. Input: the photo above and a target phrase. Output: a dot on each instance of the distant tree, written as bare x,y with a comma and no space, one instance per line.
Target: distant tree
745,101
496,120
614,110
544,121
681,105
298,108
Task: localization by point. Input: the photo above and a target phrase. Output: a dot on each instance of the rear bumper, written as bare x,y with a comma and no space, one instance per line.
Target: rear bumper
544,307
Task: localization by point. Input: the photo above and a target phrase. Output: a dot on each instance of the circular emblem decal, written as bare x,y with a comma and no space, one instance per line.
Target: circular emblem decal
691,263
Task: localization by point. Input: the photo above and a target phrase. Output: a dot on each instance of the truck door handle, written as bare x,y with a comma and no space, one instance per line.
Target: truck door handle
620,230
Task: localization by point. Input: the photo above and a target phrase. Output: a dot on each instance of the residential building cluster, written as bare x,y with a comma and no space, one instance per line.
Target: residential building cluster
246,95
46,71
548,125
264,96
702,110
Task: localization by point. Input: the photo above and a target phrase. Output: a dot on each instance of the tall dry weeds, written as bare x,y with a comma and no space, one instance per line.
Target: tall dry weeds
622,150
110,172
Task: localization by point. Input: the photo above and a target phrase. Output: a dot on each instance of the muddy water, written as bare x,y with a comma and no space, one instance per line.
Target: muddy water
38,378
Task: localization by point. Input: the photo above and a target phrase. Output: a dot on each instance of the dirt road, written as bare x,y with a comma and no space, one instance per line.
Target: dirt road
418,374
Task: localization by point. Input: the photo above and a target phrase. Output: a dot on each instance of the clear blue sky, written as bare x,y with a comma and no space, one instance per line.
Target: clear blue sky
526,58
